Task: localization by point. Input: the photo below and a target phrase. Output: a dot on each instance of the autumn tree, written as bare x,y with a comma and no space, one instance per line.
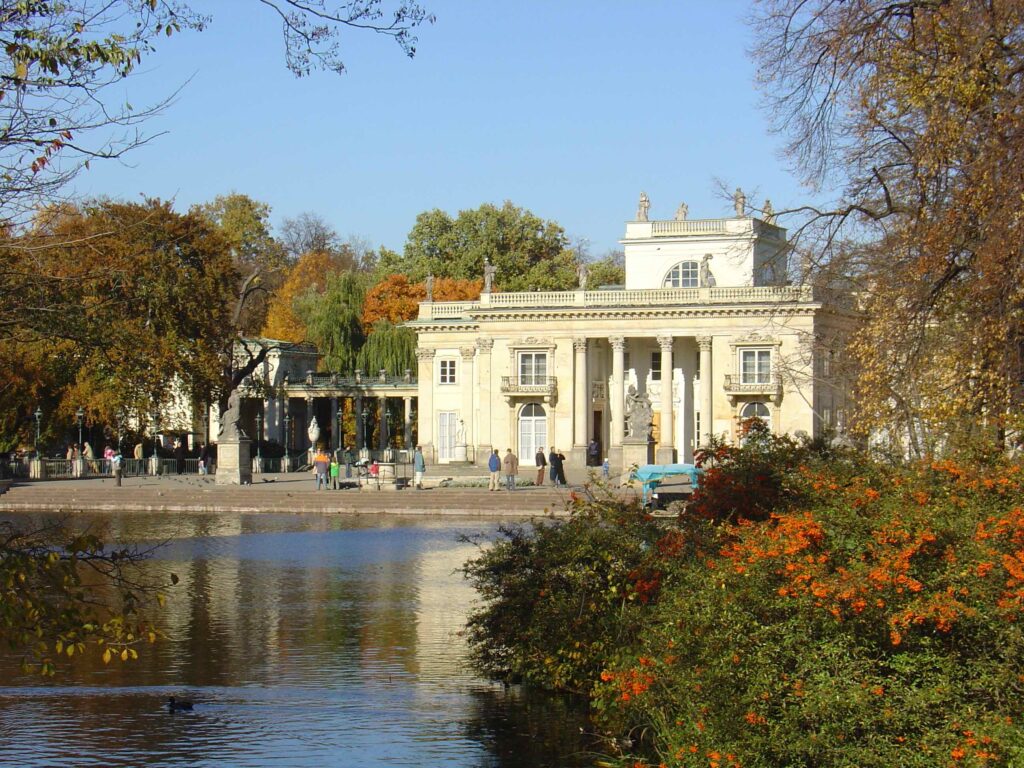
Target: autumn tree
527,251
148,296
913,109
397,300
308,275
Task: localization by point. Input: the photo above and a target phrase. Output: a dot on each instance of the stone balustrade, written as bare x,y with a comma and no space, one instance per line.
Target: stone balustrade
596,300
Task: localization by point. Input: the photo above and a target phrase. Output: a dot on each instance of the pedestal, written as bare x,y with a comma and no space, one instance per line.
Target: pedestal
460,454
234,464
663,455
637,452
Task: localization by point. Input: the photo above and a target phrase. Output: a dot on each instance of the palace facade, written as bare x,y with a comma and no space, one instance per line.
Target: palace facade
707,330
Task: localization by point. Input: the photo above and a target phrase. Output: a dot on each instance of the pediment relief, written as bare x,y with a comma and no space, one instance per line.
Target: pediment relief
755,339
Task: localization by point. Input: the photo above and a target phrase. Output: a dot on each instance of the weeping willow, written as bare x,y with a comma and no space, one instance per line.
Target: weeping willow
390,347
332,320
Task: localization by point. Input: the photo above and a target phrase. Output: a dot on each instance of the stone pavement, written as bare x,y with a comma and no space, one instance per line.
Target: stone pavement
295,492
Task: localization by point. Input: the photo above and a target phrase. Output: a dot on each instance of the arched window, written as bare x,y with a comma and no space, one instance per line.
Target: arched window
755,410
685,274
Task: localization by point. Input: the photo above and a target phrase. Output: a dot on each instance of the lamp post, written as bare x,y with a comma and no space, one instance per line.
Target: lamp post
156,431
341,424
259,437
366,428
80,415
39,420
287,438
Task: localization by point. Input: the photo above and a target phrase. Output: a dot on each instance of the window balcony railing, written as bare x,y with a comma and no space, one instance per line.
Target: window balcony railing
528,385
735,384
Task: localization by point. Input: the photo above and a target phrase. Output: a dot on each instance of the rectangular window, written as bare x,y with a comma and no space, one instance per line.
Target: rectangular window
447,372
755,366
655,366
533,368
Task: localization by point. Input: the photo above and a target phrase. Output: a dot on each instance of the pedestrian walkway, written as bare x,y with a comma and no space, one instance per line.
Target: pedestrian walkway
293,492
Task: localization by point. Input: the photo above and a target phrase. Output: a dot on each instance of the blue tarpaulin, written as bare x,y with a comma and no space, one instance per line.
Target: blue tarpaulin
651,475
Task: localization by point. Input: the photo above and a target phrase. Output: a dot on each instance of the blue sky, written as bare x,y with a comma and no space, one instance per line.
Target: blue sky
566,108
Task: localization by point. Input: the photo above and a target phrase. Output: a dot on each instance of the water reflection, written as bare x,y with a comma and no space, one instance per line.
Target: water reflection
303,641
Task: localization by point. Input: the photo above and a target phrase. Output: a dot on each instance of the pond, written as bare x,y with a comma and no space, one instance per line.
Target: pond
302,641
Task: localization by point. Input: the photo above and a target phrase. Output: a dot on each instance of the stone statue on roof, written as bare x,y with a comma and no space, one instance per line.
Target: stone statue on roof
739,201
643,208
682,212
489,270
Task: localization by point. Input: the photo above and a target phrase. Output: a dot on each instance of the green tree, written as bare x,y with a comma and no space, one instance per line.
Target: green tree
610,269
527,251
389,347
332,319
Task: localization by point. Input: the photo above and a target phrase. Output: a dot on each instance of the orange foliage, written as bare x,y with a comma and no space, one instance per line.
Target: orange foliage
309,273
397,300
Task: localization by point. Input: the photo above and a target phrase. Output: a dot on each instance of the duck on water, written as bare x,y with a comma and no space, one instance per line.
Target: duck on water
173,705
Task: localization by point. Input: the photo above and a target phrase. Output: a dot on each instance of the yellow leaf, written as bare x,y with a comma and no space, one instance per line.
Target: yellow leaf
106,656
71,651
124,655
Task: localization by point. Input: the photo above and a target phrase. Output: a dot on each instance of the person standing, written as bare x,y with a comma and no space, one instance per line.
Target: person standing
557,469
115,467
494,465
419,467
334,472
593,453
321,466
511,465
349,460
542,464
179,455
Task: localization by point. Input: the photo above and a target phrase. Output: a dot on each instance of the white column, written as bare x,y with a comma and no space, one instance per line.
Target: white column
382,422
616,422
707,419
406,422
667,412
484,438
335,430
425,406
468,387
580,399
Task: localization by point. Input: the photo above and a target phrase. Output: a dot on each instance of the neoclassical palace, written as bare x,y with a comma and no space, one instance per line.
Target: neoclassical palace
706,332
707,329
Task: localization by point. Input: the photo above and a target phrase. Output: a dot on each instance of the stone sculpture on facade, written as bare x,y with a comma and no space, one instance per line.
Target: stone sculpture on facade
643,208
682,212
639,414
430,287
768,212
739,202
313,433
707,280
